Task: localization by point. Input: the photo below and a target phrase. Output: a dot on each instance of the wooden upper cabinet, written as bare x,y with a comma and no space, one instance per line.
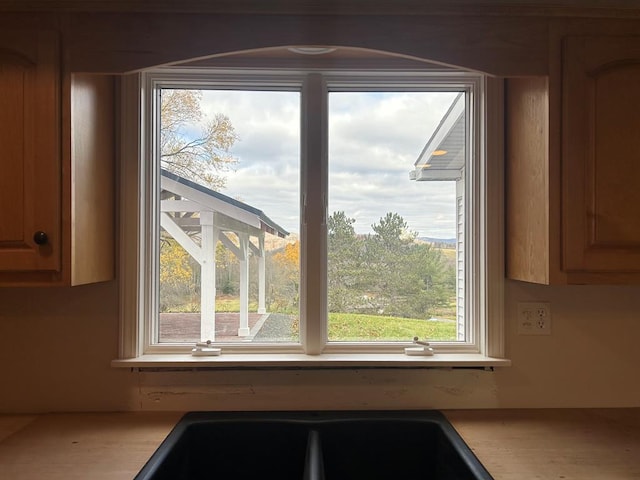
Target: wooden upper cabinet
601,155
573,167
527,229
29,151
57,147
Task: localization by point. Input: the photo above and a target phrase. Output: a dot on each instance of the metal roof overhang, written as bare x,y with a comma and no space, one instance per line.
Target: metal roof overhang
230,214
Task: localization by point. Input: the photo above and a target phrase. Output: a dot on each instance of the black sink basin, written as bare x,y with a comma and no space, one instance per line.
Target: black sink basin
313,446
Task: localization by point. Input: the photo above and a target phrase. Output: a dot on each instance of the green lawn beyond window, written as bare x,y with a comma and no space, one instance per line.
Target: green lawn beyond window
344,327
355,327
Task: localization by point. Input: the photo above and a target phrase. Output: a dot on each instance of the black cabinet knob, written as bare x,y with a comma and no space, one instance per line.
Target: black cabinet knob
41,238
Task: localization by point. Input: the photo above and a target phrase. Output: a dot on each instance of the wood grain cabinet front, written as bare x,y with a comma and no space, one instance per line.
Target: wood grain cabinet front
573,167
56,166
30,151
601,155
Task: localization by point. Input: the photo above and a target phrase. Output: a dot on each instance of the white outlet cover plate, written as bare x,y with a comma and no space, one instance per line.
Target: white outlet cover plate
534,318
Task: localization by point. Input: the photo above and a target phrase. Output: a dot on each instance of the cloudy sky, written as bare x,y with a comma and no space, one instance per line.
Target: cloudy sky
374,140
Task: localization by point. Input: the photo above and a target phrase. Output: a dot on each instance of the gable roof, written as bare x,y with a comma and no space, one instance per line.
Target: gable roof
221,203
443,156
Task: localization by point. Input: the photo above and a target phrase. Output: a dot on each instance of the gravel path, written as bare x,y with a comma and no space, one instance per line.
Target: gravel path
276,328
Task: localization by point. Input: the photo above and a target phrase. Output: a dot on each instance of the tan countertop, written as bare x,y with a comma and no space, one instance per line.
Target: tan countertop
567,444
585,444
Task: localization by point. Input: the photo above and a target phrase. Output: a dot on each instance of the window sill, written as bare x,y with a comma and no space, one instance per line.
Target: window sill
311,361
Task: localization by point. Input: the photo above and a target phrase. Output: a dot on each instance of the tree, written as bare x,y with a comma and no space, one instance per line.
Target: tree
285,278
178,273
406,278
388,272
392,232
387,263
227,270
192,145
343,264
430,281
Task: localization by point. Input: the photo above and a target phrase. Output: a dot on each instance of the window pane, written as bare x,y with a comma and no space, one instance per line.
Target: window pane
395,232
229,190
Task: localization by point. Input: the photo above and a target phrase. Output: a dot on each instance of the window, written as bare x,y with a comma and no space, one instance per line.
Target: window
310,212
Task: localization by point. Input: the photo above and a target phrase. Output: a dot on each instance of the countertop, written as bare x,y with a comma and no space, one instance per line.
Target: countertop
567,444
585,444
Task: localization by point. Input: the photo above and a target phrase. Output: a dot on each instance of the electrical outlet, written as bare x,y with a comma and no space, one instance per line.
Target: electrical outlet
534,318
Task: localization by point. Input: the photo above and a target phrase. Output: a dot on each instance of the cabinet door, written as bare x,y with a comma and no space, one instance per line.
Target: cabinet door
30,172
601,155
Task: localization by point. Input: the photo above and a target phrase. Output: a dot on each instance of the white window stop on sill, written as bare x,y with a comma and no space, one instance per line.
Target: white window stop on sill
422,348
204,349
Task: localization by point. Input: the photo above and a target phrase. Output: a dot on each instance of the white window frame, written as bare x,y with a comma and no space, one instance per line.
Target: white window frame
483,218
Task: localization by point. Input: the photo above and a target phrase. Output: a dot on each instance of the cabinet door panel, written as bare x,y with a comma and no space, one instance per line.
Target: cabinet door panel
14,74
29,153
615,163
601,155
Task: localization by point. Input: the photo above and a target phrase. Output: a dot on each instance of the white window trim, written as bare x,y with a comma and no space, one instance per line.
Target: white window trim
135,299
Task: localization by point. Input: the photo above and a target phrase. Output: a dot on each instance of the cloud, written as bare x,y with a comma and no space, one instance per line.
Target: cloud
374,140
267,123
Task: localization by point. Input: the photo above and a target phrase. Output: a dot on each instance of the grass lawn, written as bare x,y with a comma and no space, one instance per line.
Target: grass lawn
359,327
353,326
232,304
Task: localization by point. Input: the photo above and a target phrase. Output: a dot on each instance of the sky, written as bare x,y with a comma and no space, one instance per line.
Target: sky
374,140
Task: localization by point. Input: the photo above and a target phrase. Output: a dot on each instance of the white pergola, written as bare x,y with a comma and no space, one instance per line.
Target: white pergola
188,210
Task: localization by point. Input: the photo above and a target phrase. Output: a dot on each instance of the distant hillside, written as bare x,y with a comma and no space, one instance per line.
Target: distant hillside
271,242
439,241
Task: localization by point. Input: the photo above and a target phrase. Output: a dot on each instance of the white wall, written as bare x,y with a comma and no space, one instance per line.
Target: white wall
57,344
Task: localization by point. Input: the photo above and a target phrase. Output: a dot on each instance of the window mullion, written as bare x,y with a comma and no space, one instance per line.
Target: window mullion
314,138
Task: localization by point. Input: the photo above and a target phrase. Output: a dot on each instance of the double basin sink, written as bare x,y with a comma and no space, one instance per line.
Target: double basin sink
342,445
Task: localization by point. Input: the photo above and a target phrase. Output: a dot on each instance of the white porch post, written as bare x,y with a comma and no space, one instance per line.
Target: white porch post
208,277
243,330
261,276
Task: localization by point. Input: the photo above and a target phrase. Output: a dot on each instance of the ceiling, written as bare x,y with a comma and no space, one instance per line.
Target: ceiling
592,8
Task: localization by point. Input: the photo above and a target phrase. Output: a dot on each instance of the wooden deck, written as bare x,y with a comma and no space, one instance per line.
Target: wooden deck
185,327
